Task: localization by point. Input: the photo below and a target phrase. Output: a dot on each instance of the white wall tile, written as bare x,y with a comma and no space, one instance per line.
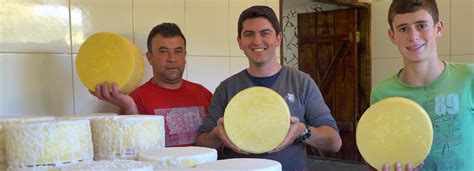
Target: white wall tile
35,84
469,59
382,47
149,13
34,26
444,42
462,20
238,64
207,27
235,8
92,16
385,68
208,71
275,5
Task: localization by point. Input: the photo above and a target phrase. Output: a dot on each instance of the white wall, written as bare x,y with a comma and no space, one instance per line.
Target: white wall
40,39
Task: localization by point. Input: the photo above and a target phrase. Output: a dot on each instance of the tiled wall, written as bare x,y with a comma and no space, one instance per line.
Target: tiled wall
39,40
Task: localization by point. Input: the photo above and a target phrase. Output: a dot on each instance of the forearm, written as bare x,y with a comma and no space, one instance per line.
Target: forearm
209,139
325,138
128,109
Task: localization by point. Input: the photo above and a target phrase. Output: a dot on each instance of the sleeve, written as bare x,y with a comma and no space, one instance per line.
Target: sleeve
317,112
215,110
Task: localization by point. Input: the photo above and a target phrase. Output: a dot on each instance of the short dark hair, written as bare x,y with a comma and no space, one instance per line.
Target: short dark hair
258,11
167,30
409,6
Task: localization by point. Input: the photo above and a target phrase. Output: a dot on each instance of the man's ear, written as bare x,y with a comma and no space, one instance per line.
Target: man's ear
279,38
391,34
148,57
439,28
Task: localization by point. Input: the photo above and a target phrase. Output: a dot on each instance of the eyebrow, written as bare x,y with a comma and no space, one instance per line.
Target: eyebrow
417,22
165,48
264,30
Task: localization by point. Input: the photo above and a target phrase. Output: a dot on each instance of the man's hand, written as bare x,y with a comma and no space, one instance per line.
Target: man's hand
125,102
296,128
398,167
220,133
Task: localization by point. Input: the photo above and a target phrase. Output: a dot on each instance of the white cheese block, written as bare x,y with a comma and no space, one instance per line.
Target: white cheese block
394,130
121,137
105,165
9,120
178,157
242,164
257,120
109,57
48,143
85,116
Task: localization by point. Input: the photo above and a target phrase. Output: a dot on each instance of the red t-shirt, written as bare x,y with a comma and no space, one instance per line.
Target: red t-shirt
183,109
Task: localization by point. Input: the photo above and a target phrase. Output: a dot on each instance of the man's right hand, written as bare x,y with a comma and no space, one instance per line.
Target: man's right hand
398,167
124,101
220,133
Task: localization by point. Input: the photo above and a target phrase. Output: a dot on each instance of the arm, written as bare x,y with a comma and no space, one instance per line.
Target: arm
123,101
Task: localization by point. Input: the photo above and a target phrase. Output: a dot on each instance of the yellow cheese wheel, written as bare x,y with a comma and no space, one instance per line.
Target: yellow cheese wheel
257,120
394,130
109,57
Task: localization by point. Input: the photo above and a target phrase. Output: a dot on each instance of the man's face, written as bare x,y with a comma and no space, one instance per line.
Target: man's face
415,35
167,58
258,40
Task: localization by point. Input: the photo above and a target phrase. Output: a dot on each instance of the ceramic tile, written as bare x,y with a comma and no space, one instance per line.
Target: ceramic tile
238,64
382,47
34,26
92,16
462,25
469,59
207,27
385,68
208,71
444,42
149,13
35,84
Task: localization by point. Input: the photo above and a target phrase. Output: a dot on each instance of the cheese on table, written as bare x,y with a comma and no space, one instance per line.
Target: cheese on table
121,137
242,164
257,120
178,157
109,57
394,130
85,116
9,120
106,165
48,144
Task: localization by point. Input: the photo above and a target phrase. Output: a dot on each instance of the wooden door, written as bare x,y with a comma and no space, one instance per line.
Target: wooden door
327,50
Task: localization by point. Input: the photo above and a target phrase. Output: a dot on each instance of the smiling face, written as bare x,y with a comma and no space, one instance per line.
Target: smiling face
167,59
258,40
415,35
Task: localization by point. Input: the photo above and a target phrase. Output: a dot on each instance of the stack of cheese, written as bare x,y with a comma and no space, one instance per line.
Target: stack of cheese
4,121
105,165
48,144
88,116
178,157
109,57
121,137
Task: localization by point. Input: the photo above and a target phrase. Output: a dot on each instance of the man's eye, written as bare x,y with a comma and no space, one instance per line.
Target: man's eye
403,29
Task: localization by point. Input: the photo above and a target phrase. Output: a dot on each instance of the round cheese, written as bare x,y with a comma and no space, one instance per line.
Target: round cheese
257,120
9,120
49,143
394,130
105,165
109,57
121,137
85,116
243,164
178,157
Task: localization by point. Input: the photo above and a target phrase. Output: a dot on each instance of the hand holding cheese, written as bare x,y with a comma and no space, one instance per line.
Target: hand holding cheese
124,101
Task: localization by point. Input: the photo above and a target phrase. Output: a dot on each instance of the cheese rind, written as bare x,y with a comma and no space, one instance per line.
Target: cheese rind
242,164
178,157
10,120
49,143
121,137
105,165
394,130
109,57
257,120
